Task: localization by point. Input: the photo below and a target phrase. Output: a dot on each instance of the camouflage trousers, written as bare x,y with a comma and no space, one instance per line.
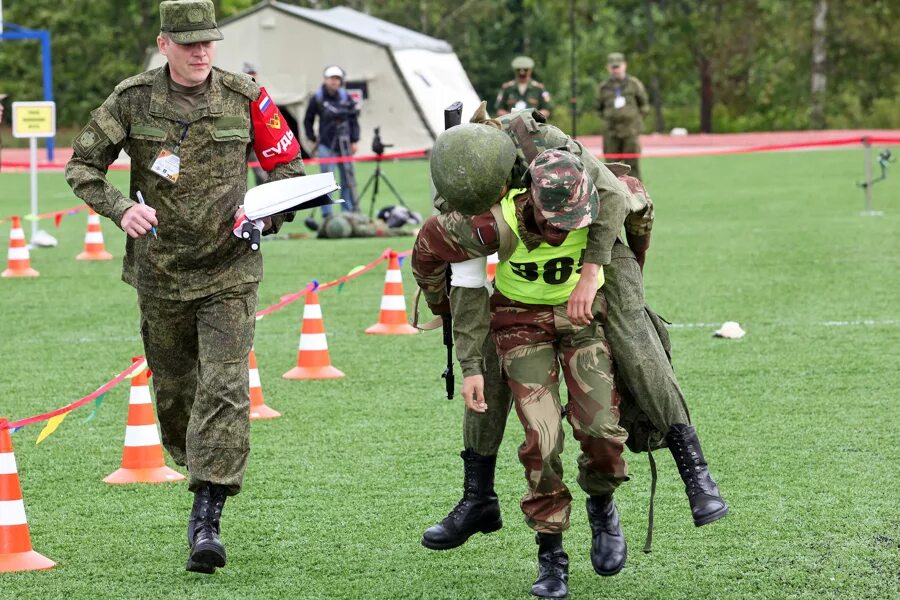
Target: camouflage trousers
532,342
651,397
614,144
198,352
483,432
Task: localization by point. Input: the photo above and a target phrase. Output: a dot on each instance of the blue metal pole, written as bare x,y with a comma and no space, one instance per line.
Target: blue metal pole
48,81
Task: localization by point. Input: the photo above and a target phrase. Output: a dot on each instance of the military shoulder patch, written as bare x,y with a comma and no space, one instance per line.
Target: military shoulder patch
145,78
88,140
240,83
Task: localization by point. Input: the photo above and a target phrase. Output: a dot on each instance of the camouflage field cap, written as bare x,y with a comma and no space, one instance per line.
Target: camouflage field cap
338,227
562,191
614,59
522,62
189,21
470,164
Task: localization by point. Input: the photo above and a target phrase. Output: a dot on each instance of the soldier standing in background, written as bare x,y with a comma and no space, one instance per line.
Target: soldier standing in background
188,128
523,91
623,103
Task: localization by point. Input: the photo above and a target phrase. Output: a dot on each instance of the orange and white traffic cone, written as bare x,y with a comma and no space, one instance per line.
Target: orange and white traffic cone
142,457
492,261
392,318
18,260
313,360
94,249
258,408
16,553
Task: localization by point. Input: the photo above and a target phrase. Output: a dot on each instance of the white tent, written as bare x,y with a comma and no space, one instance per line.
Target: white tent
408,77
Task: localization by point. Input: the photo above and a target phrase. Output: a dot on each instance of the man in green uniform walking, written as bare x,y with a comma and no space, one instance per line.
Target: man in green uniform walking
188,128
523,91
623,104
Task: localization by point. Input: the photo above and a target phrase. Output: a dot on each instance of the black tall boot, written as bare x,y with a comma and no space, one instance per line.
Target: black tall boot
553,567
707,505
608,548
207,551
478,510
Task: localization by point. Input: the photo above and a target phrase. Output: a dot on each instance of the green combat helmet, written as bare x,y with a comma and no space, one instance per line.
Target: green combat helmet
189,21
470,165
562,191
337,227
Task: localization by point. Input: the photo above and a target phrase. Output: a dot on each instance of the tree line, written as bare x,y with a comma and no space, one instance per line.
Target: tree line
709,65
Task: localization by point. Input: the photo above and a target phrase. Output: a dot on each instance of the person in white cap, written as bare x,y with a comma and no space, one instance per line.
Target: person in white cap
338,131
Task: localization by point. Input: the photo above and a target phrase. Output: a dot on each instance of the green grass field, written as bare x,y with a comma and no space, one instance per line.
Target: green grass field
799,419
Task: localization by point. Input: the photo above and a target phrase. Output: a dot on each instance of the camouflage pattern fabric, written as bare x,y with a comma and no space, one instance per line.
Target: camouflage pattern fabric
533,341
347,225
189,21
482,432
193,256
198,351
614,144
562,191
510,99
652,400
628,120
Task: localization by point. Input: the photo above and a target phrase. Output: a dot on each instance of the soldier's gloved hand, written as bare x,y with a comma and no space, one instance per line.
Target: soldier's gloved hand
138,220
582,297
473,393
239,215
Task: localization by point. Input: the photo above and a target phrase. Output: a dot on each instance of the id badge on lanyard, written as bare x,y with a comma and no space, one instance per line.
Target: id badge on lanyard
167,163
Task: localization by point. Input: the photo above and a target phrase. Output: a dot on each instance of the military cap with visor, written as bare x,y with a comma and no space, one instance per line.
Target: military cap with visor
614,59
562,191
189,21
522,62
470,165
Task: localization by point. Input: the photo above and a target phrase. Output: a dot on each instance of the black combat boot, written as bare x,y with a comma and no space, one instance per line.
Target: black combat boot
478,510
707,504
207,551
553,567
608,549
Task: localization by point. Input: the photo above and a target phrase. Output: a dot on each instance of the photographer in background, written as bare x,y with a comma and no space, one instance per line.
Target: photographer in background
338,131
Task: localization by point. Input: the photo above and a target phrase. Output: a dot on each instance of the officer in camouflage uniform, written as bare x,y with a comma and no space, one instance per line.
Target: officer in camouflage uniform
534,332
523,91
196,283
356,225
623,104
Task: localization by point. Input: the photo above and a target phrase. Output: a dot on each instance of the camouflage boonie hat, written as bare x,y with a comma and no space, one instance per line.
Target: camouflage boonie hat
562,191
614,59
189,21
522,62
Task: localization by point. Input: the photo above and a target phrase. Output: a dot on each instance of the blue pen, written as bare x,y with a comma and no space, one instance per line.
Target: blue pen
141,200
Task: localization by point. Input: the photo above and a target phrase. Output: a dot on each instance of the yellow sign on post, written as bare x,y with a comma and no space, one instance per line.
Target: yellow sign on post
33,119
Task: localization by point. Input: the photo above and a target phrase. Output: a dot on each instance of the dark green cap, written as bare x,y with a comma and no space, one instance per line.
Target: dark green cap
189,21
615,59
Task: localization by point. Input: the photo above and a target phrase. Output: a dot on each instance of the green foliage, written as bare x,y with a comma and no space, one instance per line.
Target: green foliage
758,53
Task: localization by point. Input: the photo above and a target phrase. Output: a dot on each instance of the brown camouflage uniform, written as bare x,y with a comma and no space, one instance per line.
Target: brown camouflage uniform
531,341
197,283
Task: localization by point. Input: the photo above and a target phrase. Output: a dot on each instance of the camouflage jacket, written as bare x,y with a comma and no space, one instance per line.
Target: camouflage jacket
195,253
511,100
627,120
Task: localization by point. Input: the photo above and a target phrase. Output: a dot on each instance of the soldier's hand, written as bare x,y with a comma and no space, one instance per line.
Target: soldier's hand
473,393
267,221
582,297
138,220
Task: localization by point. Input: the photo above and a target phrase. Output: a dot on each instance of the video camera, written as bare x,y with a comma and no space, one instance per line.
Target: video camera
377,146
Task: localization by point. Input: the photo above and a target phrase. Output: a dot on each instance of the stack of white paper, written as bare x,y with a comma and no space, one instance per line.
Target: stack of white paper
297,193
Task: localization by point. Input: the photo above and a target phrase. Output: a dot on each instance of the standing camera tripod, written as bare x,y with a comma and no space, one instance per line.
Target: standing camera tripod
378,148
